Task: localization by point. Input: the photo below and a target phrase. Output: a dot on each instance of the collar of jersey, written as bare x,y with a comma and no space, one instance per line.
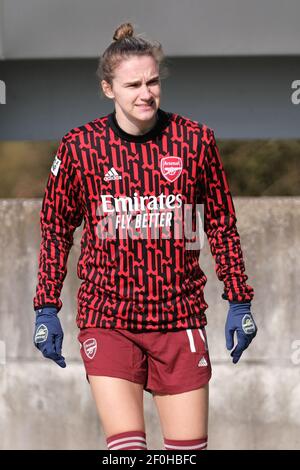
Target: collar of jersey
161,123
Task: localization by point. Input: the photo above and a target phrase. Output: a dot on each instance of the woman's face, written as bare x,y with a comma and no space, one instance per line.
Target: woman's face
135,89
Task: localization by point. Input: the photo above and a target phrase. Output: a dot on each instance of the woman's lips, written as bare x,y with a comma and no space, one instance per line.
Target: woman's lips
146,106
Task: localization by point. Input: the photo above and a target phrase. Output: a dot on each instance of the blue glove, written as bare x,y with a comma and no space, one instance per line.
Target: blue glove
48,334
239,319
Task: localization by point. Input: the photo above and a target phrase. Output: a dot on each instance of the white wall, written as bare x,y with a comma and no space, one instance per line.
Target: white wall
1,30
76,28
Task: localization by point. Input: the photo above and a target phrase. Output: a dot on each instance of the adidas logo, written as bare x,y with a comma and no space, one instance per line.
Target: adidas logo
202,362
112,174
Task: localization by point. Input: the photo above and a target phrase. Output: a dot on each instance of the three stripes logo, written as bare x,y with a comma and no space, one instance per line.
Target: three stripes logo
112,174
202,362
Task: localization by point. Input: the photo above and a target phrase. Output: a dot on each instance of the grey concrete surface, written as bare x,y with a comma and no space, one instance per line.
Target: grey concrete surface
253,405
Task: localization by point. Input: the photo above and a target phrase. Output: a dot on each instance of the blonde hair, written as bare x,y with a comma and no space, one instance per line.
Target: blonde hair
126,45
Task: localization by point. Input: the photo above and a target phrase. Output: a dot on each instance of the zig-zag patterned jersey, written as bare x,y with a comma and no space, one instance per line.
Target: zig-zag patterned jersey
137,269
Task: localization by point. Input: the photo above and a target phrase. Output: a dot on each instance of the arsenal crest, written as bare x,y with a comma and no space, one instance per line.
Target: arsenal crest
171,168
90,347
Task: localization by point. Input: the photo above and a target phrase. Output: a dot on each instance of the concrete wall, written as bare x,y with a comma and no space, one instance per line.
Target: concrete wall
238,97
254,404
72,28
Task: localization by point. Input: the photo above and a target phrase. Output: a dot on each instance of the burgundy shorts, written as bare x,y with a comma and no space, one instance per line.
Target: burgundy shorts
165,363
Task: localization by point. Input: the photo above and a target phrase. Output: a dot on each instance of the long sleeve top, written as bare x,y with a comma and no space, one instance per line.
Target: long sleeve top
139,198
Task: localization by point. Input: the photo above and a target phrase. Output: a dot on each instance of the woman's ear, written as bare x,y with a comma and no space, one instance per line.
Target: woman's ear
107,90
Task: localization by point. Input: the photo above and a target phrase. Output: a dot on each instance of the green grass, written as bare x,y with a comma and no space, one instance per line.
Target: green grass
262,167
253,167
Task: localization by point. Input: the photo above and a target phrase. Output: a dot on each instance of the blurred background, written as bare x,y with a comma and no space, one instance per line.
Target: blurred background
233,65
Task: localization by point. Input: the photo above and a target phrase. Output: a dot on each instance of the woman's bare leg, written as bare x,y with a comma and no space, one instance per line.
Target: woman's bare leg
119,403
184,416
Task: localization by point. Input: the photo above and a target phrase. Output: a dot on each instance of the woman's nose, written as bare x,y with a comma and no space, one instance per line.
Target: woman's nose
145,92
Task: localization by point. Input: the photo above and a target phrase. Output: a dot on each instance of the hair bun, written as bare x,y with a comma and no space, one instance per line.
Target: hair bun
125,30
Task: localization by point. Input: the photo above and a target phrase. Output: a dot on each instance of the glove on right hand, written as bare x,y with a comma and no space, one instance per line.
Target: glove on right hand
48,334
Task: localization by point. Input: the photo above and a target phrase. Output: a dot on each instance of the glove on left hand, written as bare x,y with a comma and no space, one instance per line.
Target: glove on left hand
239,319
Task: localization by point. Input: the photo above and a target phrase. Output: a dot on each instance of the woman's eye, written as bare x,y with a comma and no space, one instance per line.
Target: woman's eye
154,82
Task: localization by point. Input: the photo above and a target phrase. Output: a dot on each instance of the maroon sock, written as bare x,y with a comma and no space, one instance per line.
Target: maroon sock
131,440
189,444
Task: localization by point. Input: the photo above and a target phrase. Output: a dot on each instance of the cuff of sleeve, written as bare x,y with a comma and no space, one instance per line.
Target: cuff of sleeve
239,297
57,305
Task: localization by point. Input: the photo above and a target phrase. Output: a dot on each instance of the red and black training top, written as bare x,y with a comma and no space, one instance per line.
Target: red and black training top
137,268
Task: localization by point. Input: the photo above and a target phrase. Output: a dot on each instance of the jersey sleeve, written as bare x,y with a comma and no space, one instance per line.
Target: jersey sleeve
60,215
220,227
